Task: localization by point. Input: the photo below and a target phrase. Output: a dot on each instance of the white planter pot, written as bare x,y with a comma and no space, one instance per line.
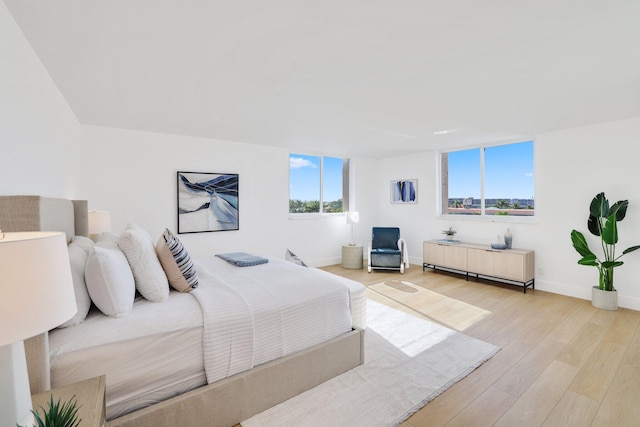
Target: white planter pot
606,300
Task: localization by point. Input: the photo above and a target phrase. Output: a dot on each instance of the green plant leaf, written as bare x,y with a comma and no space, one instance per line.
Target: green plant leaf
449,232
58,414
619,208
580,243
603,222
594,225
631,249
610,232
589,260
609,264
599,206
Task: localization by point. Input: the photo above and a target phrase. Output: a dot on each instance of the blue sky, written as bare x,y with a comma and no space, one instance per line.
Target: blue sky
304,183
508,172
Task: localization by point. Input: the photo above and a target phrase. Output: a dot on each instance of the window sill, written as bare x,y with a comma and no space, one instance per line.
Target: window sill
315,215
491,218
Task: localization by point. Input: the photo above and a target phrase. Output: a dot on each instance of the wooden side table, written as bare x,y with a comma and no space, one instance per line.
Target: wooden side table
352,256
90,395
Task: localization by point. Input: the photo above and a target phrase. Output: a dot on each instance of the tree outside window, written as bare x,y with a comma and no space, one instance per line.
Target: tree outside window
317,184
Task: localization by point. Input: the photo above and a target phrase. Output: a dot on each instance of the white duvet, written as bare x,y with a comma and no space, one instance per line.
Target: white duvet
256,314
251,315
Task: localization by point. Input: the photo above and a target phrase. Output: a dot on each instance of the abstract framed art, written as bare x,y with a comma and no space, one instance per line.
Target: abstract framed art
404,191
207,202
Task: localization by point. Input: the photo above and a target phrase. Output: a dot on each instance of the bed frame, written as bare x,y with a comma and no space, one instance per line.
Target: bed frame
224,403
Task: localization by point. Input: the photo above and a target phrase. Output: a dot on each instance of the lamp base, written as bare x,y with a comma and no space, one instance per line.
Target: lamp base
15,395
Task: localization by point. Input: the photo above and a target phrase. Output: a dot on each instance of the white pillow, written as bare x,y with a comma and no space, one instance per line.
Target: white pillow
176,262
83,242
109,280
78,259
107,235
140,251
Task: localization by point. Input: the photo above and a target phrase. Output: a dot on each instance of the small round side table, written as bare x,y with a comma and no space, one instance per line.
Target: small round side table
352,256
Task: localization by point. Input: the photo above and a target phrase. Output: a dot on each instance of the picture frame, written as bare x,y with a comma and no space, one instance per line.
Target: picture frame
207,202
404,191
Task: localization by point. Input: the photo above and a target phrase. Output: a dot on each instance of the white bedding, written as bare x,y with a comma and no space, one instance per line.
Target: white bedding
250,320
151,354
156,351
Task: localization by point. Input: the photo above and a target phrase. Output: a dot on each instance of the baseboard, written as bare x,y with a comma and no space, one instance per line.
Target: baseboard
631,303
563,289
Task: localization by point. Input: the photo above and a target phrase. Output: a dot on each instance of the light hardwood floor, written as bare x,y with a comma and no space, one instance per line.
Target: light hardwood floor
562,362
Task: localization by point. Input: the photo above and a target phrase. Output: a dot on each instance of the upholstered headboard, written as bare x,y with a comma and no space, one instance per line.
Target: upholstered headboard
36,213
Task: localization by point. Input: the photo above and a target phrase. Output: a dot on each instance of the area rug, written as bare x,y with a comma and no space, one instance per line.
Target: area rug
447,311
408,362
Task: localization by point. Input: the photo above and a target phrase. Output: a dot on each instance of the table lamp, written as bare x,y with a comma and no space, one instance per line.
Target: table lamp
99,222
37,295
353,217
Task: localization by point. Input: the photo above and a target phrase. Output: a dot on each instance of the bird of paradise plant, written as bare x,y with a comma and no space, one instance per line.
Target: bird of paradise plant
602,222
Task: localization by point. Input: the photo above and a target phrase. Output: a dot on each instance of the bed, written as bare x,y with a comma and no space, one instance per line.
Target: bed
180,369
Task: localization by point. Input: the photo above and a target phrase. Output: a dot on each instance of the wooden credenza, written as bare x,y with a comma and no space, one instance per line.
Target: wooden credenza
514,266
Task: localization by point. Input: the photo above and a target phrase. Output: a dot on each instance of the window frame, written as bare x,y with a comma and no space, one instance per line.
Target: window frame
483,216
346,176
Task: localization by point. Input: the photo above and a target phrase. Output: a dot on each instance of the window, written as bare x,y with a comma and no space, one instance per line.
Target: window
318,184
493,180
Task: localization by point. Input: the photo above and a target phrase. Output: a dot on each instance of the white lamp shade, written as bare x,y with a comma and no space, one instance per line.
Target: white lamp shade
353,217
37,288
99,222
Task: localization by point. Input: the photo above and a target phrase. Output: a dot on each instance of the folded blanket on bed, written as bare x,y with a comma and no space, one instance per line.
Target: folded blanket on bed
242,259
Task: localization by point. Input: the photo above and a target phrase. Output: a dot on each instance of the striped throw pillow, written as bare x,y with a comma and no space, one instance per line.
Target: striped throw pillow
176,262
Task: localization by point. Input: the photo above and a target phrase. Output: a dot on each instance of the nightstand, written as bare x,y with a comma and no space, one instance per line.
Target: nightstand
352,256
90,395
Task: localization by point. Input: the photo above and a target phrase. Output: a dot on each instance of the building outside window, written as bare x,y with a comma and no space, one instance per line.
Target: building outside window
491,180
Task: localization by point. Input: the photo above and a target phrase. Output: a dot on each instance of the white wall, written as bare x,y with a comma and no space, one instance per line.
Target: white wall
46,151
38,130
578,164
133,175
572,166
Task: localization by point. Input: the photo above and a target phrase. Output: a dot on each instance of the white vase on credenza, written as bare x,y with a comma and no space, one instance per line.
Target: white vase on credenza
508,238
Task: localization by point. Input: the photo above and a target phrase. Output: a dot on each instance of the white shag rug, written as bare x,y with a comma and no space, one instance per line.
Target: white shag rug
408,362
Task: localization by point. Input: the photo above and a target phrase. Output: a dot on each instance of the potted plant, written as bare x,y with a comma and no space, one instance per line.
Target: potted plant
603,220
58,414
449,233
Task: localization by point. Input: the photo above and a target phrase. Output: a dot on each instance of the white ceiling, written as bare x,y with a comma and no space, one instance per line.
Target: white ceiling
342,77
